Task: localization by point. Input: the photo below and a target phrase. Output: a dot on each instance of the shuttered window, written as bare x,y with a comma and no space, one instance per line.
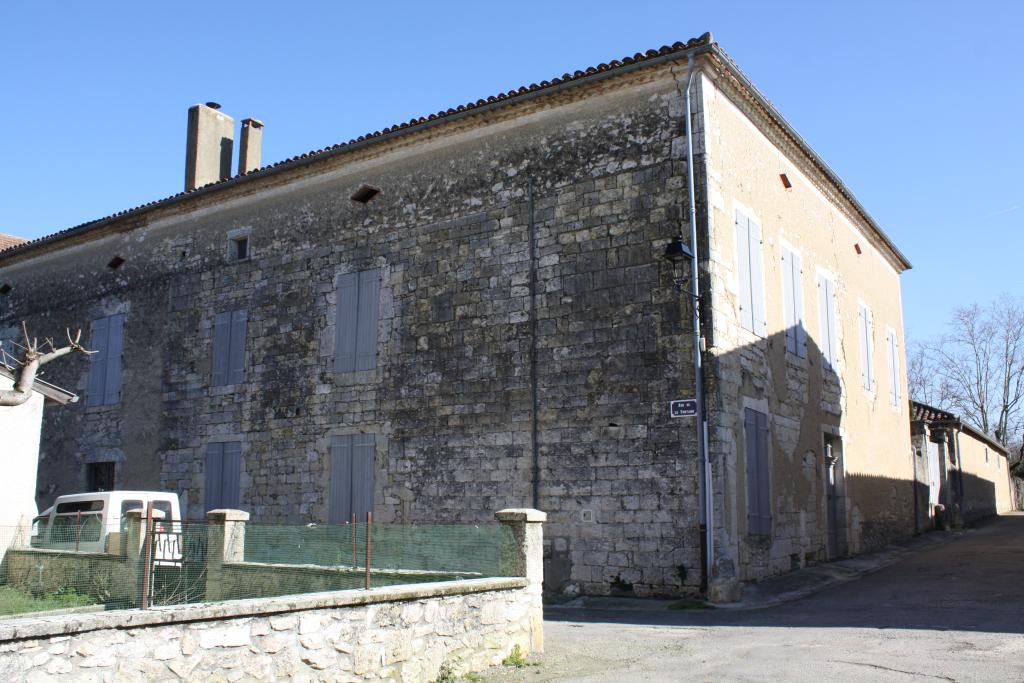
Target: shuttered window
107,340
827,320
759,504
223,475
793,304
865,325
351,478
355,342
750,267
229,330
892,349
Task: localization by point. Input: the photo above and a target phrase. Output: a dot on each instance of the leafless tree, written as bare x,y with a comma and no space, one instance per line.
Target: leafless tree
977,369
33,357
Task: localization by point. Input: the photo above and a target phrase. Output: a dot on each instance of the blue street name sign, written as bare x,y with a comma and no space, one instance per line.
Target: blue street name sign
687,407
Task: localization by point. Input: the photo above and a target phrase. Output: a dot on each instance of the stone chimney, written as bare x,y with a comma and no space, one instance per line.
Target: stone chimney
251,145
209,147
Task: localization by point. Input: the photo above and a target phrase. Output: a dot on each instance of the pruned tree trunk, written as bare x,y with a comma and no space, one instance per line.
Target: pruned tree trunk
31,361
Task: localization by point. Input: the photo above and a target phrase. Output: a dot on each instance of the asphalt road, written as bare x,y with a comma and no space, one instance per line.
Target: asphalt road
954,612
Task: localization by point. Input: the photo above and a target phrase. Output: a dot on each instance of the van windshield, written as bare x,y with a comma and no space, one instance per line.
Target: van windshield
76,528
79,506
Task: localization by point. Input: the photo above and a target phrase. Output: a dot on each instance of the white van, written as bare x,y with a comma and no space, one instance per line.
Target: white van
93,522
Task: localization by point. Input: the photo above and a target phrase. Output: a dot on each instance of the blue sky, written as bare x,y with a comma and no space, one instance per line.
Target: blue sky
917,105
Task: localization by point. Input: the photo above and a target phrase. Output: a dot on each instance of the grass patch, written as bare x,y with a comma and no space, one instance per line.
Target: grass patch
688,604
516,659
14,601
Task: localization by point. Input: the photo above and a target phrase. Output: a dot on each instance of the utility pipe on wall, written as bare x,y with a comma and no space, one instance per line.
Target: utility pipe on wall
702,425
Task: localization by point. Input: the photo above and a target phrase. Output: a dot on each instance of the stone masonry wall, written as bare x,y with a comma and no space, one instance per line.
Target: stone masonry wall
599,172
386,634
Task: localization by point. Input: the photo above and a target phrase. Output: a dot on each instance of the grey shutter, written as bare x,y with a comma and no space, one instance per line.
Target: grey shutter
98,362
757,280
743,270
366,337
798,306
788,309
894,382
362,474
221,348
115,349
214,475
339,499
236,353
763,476
231,472
346,294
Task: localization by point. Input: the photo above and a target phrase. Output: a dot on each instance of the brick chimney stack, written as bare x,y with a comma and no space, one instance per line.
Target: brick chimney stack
250,149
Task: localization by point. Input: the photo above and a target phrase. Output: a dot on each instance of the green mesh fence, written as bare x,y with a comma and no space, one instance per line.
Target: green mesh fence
82,566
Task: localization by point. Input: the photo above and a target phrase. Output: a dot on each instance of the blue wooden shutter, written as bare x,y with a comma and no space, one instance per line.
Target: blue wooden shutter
753,499
759,506
757,280
221,348
214,475
833,335
347,296
366,338
339,498
236,353
362,474
743,270
231,473
115,351
763,476
788,300
98,338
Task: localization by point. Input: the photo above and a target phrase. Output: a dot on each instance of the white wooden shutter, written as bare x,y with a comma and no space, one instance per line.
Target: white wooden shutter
788,309
743,271
798,306
757,279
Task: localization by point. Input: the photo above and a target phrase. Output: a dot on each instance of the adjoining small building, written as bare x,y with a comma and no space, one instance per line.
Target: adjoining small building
960,471
20,428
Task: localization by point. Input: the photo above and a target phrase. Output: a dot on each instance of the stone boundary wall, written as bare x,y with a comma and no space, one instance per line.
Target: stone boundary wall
400,633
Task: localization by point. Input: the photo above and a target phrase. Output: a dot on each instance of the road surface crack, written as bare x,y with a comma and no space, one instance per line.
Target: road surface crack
899,671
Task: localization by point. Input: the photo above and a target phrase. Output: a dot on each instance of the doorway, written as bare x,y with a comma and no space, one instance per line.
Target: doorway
834,509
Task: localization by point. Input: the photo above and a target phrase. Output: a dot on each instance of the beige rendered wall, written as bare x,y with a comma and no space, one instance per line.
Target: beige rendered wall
986,478
803,401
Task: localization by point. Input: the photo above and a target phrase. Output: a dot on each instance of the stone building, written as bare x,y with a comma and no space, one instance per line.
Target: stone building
958,468
472,311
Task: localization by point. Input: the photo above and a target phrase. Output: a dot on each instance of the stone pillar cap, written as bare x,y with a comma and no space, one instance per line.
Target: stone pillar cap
520,515
227,516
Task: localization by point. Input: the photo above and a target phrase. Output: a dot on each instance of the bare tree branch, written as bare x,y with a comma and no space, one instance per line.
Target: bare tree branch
33,359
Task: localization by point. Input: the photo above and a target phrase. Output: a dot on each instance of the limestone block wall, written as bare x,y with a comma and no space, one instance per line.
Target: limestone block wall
510,372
